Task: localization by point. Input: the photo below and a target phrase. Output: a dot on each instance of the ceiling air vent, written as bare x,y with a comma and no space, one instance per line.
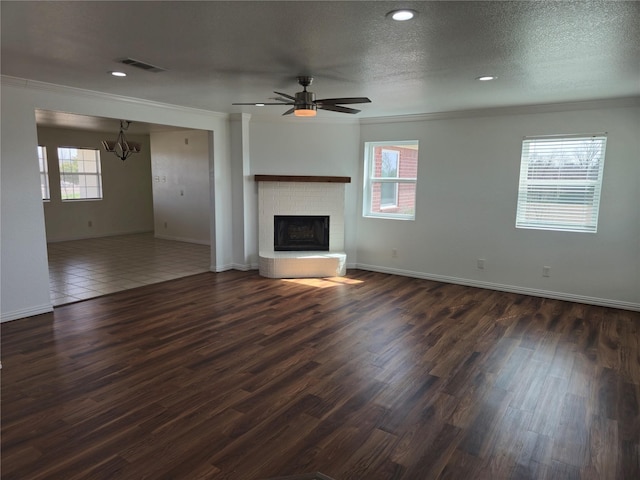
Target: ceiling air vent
142,65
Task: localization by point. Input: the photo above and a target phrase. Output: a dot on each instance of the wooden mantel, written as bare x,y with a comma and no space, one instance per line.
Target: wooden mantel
301,178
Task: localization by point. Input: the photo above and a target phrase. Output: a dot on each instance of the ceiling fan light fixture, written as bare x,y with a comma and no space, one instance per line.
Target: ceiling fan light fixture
304,103
305,111
402,15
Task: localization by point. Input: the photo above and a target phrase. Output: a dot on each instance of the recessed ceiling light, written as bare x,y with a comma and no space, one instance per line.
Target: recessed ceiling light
402,15
259,104
118,74
486,78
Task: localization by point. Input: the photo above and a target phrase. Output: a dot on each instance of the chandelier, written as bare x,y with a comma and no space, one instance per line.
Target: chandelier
121,147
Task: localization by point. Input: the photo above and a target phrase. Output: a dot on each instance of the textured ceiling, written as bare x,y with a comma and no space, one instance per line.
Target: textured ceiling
216,53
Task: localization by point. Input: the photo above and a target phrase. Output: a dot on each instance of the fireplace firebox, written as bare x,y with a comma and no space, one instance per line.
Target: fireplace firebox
300,233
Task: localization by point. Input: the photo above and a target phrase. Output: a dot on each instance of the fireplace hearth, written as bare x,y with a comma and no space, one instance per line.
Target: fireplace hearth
300,233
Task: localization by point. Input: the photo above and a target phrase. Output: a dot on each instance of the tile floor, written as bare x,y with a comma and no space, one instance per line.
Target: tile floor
82,269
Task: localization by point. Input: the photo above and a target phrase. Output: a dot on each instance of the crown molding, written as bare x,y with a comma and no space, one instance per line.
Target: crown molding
623,102
92,94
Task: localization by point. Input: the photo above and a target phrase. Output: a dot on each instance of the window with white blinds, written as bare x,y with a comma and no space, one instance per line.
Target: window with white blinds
560,182
80,173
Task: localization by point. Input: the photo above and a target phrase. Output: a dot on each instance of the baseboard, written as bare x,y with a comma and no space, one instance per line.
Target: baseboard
243,267
224,268
182,239
137,232
602,302
25,312
101,235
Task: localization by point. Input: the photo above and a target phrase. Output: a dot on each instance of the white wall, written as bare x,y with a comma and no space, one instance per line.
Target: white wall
466,205
319,146
243,199
24,285
180,172
467,189
126,206
24,273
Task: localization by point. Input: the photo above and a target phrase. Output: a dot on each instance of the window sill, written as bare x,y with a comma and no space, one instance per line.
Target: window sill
390,216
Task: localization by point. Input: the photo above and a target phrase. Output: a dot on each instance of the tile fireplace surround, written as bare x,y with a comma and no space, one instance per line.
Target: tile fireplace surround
296,195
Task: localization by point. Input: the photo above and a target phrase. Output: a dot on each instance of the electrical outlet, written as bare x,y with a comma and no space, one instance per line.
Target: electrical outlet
90,223
165,224
394,252
480,264
546,271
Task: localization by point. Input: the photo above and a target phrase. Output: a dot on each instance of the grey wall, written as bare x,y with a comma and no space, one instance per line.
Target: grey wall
466,206
126,206
327,146
181,188
467,191
24,279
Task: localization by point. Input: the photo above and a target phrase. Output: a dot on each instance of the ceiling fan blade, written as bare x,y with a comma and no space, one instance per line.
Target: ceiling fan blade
289,112
338,108
281,99
285,95
346,100
259,104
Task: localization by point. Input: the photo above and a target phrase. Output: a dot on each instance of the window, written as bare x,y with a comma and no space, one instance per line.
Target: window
44,172
560,182
389,191
80,176
391,171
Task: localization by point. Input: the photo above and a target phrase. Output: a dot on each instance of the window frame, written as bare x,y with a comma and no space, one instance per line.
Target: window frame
64,175
43,165
370,180
554,203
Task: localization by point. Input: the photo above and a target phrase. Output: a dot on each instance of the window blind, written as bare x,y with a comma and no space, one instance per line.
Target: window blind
560,182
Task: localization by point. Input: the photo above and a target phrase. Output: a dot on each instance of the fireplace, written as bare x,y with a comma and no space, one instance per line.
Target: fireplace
311,196
300,233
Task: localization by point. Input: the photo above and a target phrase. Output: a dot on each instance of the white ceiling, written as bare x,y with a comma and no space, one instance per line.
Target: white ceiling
216,53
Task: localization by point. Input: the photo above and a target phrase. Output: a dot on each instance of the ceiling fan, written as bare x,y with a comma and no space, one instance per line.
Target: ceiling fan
305,103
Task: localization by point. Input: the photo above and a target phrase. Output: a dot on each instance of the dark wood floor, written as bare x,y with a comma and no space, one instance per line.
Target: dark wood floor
371,376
